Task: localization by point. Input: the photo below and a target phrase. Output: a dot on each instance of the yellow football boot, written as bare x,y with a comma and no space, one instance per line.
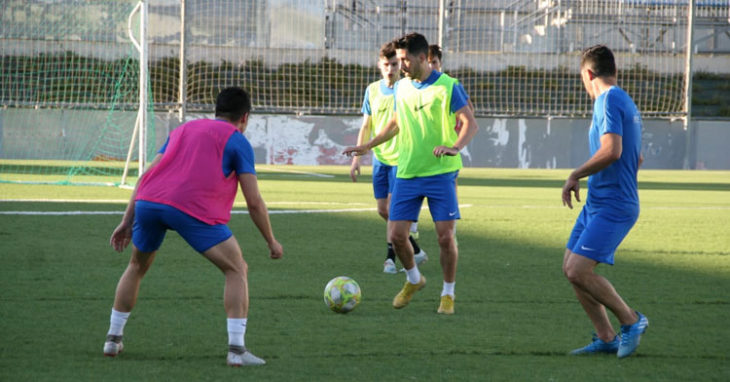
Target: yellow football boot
404,296
447,305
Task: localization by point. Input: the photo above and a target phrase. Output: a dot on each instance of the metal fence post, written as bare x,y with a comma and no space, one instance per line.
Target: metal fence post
183,81
690,152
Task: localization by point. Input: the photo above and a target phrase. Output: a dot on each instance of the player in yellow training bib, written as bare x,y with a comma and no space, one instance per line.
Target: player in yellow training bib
427,105
377,109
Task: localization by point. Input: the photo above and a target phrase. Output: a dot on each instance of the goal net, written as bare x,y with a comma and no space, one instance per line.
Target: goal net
514,57
70,91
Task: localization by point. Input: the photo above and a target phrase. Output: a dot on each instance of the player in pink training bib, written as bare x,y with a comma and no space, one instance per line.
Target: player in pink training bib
190,187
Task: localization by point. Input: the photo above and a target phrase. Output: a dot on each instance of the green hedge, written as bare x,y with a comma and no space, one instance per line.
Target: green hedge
327,86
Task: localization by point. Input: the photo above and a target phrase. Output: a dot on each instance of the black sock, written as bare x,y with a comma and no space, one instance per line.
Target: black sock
391,252
416,248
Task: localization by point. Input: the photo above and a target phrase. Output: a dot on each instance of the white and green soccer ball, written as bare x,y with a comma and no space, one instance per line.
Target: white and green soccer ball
342,294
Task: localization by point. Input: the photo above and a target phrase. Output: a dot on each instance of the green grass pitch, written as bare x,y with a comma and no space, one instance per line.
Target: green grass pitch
516,316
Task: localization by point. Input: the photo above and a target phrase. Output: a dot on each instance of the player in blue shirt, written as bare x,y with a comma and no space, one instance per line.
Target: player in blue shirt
612,206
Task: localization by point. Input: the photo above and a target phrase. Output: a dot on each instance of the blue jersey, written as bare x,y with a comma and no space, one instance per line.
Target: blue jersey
615,186
238,155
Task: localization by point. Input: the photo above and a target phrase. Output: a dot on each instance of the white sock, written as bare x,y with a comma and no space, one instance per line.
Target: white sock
414,227
448,289
117,322
413,275
236,331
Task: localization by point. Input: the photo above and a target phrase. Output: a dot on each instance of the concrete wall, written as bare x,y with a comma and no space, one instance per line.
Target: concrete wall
312,140
501,142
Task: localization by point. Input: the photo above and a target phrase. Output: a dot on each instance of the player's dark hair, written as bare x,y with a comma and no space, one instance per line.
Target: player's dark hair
232,103
414,43
599,60
387,50
434,51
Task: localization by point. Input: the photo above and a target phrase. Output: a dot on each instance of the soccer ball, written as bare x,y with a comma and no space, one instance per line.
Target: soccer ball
342,294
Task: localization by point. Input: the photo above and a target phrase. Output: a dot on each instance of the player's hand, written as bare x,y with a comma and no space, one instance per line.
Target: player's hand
355,151
571,185
121,237
355,169
444,150
276,251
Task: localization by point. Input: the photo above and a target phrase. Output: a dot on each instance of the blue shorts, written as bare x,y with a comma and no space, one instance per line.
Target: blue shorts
383,179
152,220
408,194
597,233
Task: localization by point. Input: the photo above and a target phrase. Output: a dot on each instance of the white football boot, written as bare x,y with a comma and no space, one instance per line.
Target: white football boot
113,345
389,267
239,356
420,257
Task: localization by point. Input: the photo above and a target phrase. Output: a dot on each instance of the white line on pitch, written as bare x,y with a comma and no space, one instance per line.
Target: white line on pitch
68,200
709,208
125,201
687,208
297,172
234,212
60,213
317,203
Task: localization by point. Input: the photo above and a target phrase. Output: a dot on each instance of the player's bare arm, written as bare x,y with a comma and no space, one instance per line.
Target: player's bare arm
609,152
259,213
388,132
361,137
122,235
469,129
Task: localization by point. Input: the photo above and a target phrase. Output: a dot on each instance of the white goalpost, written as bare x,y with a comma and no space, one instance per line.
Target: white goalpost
140,126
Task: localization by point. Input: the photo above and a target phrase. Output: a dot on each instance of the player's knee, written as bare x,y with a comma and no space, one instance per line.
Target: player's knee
239,268
231,265
568,275
139,266
573,275
244,268
446,239
399,240
237,271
